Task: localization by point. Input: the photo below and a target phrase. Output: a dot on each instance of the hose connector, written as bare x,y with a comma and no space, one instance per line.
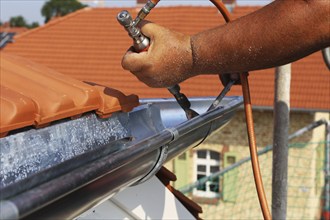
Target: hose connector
140,42
144,11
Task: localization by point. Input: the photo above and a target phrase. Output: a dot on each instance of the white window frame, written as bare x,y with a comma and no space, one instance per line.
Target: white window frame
208,162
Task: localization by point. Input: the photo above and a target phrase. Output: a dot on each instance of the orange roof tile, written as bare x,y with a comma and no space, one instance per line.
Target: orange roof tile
17,30
89,44
32,94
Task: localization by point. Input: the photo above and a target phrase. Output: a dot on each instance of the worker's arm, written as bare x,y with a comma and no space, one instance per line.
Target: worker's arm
282,32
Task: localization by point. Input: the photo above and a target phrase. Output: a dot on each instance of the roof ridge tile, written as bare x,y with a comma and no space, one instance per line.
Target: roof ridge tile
53,22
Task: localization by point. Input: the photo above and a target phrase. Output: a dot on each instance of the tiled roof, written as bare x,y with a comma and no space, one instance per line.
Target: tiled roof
32,94
17,30
89,45
7,34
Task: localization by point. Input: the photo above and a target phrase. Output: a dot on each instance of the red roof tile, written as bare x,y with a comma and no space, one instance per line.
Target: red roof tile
17,30
32,94
89,45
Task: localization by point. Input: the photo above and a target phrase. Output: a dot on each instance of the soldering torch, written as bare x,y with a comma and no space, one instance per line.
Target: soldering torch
141,43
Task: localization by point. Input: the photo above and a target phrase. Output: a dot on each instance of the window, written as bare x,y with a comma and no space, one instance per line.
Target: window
207,162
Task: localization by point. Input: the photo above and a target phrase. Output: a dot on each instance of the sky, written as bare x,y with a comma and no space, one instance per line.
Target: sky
30,9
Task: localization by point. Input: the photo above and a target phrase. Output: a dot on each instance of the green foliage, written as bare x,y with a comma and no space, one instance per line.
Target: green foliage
33,25
17,21
56,8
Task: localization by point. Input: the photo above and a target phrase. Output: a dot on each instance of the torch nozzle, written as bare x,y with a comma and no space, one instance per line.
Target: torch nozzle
140,41
125,19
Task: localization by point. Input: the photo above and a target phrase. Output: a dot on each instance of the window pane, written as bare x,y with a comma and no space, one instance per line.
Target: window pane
200,176
215,179
201,154
215,155
201,168
214,187
201,186
214,169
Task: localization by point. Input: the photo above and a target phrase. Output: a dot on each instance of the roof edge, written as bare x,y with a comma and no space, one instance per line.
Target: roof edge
53,22
61,19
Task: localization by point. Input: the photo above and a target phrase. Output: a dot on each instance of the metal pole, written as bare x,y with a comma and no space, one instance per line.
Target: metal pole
280,141
326,208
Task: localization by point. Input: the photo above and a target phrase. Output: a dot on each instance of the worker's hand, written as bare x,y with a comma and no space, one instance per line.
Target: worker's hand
168,60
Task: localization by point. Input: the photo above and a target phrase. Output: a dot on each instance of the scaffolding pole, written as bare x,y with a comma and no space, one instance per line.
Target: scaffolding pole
326,207
280,141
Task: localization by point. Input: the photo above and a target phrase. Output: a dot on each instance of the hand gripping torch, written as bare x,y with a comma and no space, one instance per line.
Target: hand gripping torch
141,43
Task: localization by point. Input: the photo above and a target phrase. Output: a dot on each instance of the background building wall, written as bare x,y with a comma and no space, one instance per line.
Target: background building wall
238,195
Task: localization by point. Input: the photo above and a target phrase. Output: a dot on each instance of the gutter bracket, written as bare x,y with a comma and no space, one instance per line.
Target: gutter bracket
161,159
174,132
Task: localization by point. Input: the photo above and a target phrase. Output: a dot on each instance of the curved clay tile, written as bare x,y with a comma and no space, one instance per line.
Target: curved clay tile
17,110
32,94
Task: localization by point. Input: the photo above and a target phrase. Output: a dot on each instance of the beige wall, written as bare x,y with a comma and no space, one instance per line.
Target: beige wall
305,176
235,132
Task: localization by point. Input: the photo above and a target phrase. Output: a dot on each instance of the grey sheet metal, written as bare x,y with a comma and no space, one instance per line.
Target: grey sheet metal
72,159
29,152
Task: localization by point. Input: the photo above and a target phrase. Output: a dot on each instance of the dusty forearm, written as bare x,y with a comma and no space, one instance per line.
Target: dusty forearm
281,32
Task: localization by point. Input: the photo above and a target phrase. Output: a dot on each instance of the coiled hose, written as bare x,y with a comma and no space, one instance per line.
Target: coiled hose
250,127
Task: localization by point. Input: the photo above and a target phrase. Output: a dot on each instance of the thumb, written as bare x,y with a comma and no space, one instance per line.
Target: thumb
134,62
148,28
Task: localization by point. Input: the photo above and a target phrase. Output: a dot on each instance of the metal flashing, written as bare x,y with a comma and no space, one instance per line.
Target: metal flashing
98,157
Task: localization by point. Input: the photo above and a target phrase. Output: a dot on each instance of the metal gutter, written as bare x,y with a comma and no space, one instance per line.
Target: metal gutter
94,173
